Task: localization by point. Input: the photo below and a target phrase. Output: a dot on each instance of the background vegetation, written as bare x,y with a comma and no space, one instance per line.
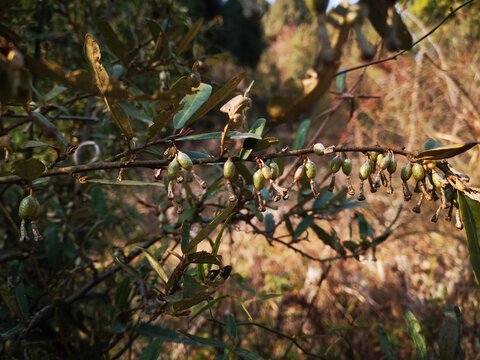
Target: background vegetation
118,272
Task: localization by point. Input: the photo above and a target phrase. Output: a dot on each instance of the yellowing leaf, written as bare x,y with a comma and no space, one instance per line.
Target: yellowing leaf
183,43
155,265
446,152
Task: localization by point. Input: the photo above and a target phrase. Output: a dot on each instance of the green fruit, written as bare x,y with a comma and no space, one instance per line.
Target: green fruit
29,208
373,155
347,166
384,161
310,169
318,149
228,169
336,164
258,180
184,160
299,173
365,170
267,172
173,169
275,170
438,179
392,167
418,172
406,172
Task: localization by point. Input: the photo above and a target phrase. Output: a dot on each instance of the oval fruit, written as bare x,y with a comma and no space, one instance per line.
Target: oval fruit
173,169
184,160
275,170
267,172
418,172
384,162
406,172
365,170
228,169
336,164
318,149
29,208
310,169
299,173
258,180
392,166
347,166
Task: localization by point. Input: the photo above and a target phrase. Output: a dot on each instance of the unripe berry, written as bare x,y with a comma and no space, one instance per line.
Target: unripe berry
275,170
336,164
384,162
439,180
173,169
347,166
406,172
258,180
365,170
299,173
184,160
392,167
374,155
318,149
228,169
310,169
267,172
29,208
418,172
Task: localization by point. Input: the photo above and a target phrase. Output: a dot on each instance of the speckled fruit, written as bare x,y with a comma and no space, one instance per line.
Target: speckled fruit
336,164
275,170
29,208
310,169
318,149
184,160
406,172
365,170
258,180
267,172
347,166
299,173
373,155
173,169
228,169
418,172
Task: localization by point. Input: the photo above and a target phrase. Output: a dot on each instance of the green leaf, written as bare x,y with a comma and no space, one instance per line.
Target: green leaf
246,354
21,299
210,227
216,97
328,239
154,28
231,327
191,103
153,350
29,169
163,334
54,92
185,235
340,82
112,41
218,135
265,143
35,143
120,117
122,293
206,341
414,330
470,213
301,136
134,112
155,265
47,123
269,224
385,344
203,257
446,152
10,301
192,32
303,226
448,336
432,144
190,286
248,145
210,304
124,182
159,122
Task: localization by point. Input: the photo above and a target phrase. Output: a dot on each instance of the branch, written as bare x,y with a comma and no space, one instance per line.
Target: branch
394,57
155,164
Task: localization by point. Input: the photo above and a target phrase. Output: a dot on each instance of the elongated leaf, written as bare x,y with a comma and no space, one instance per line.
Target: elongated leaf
218,135
385,344
162,333
54,92
446,152
470,213
185,235
448,335
187,39
191,103
210,227
29,169
122,293
216,98
124,182
10,301
112,41
247,354
340,82
120,118
301,136
231,327
210,304
414,330
248,145
134,112
153,350
35,143
155,265
203,257
154,28
303,226
159,122
206,341
44,120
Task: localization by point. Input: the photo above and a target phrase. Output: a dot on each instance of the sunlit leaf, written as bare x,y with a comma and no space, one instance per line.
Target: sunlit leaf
218,135
203,257
134,112
470,213
340,82
446,152
248,145
414,330
155,265
54,92
188,37
191,103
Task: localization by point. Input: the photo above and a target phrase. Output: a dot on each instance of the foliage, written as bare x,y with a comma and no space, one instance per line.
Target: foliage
90,270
